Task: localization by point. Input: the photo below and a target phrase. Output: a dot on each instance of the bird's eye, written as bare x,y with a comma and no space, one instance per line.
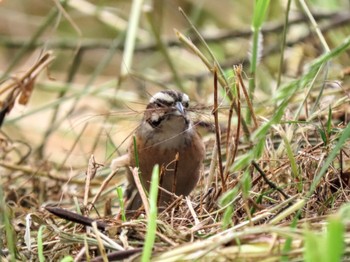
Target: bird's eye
158,104
185,104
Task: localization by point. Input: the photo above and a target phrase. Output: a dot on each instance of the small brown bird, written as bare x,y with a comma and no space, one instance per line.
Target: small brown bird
165,130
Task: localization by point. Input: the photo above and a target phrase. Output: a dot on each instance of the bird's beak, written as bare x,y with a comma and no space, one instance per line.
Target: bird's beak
180,108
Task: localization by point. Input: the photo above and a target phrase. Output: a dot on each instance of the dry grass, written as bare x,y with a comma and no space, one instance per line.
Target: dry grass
283,171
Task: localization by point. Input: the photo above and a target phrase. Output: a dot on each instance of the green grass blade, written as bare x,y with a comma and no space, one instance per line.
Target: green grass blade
246,183
329,121
152,219
260,11
285,93
40,244
67,259
312,247
121,202
131,37
342,140
259,15
291,157
9,231
334,244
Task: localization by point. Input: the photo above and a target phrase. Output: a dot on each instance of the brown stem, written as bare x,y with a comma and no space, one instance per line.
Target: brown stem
238,121
217,128
173,190
238,70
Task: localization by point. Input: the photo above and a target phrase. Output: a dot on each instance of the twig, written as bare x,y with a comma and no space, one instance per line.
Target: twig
238,121
272,185
217,129
118,255
238,70
99,242
103,186
74,217
213,163
175,172
228,130
173,204
138,183
90,174
208,64
161,177
193,213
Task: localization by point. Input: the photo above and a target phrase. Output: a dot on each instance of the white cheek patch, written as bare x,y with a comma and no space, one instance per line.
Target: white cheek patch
155,116
162,97
185,98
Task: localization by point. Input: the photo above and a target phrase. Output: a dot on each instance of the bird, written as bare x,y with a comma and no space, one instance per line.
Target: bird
166,136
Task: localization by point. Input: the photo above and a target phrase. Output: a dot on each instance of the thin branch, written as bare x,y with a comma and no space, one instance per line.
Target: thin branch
272,185
238,71
217,128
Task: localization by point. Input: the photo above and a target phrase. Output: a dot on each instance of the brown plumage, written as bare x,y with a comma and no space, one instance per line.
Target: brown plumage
166,130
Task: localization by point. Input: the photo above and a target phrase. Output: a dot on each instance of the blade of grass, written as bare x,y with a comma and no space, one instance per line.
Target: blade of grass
121,202
9,230
131,36
67,259
100,245
293,164
86,246
260,10
152,217
287,212
286,93
308,92
283,44
40,244
208,64
329,121
334,242
314,24
312,247
214,60
342,140
27,238
323,43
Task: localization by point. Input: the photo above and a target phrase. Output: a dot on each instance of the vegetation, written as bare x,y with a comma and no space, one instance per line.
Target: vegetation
269,89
